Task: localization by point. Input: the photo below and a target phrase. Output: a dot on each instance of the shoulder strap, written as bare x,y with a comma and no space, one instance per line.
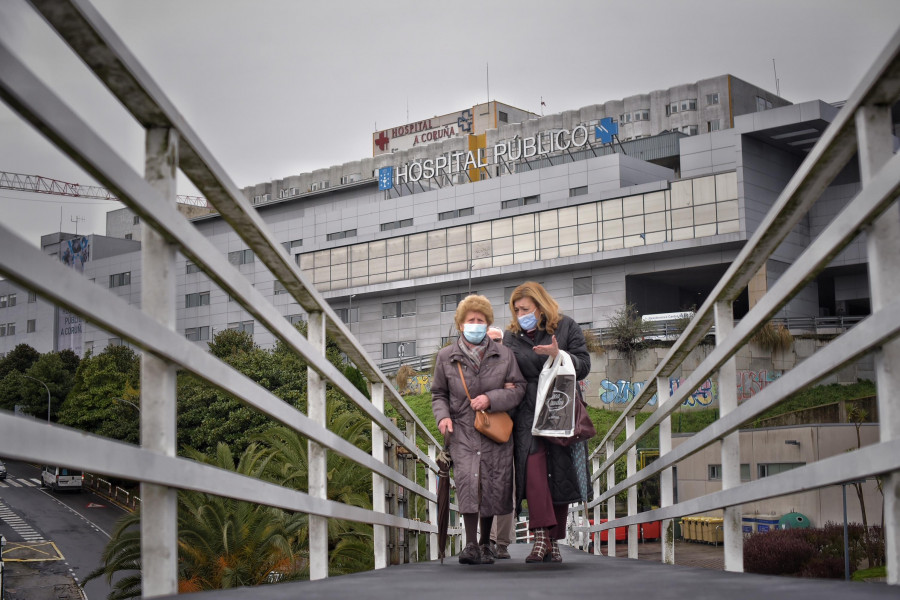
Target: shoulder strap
463,377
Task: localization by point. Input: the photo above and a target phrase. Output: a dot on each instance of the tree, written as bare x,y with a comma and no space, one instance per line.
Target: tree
56,370
101,382
19,359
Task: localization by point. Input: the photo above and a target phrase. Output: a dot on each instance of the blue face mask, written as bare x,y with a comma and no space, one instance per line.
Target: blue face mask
474,332
528,322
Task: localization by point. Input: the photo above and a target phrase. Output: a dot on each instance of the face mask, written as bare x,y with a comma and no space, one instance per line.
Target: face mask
528,322
474,332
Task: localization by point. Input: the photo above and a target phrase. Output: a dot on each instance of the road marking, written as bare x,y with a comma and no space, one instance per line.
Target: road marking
18,524
83,518
13,483
31,552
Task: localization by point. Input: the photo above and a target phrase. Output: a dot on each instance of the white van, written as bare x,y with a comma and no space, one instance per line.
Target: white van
61,478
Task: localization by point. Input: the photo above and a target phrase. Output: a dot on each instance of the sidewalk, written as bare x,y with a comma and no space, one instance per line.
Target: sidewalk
688,554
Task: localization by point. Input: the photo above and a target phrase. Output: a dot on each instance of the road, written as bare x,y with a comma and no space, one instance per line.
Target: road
66,532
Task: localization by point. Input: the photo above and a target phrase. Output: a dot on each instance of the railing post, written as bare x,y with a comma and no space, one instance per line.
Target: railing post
731,444
873,126
595,466
410,538
159,513
611,502
432,506
378,485
318,467
631,469
666,490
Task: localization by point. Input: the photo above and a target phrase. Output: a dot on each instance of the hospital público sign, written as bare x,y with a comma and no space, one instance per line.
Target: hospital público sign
505,151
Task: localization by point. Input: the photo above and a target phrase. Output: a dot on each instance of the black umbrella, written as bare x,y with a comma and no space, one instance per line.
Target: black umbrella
444,462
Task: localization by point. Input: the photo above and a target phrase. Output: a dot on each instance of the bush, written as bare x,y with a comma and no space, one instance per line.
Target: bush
824,567
773,337
779,552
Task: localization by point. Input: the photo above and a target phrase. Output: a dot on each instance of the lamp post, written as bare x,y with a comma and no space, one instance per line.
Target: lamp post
48,393
135,406
350,312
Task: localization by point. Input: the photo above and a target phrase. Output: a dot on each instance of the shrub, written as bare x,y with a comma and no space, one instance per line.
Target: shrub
404,373
773,337
593,342
627,330
824,567
779,552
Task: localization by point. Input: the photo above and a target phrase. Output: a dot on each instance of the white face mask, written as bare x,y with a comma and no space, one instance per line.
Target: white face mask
474,332
528,322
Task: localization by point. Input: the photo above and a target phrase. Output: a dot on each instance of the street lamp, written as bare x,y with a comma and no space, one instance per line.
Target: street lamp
135,406
48,393
350,312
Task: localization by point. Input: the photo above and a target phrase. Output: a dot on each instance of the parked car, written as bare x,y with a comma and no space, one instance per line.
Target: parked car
2,470
61,478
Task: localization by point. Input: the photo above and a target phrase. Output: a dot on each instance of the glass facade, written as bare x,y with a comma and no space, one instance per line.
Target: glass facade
690,209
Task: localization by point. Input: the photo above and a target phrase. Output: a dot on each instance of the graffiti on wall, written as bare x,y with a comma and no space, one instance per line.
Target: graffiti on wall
748,384
419,383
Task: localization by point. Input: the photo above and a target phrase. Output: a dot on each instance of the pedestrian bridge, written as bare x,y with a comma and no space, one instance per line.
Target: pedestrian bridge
861,132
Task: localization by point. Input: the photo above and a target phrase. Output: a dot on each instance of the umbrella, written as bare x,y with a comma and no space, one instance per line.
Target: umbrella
444,463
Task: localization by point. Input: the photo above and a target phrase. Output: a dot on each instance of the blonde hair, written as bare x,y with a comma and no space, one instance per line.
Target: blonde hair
544,301
474,303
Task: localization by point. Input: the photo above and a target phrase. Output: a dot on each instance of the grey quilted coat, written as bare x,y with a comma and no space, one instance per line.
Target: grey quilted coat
475,457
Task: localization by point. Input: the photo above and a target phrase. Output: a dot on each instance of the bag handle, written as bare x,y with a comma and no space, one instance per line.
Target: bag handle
463,377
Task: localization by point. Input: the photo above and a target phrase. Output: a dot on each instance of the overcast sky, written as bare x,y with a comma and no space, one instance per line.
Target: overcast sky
280,87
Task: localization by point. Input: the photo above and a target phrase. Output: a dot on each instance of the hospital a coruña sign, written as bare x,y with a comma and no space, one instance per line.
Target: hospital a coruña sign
505,151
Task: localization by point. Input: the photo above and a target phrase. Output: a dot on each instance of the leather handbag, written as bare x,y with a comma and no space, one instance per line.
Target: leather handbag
584,427
496,426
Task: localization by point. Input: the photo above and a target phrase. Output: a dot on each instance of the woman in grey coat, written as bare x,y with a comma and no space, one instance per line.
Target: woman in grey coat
482,468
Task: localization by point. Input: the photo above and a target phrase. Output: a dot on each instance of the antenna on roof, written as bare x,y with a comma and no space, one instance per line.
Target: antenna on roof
487,75
777,85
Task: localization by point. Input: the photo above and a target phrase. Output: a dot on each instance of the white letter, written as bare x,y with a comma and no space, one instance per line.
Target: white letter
584,132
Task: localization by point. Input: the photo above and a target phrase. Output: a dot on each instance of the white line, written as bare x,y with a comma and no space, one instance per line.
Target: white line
13,483
61,503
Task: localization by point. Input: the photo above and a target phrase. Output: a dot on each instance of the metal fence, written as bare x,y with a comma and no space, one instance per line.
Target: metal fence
170,145
862,128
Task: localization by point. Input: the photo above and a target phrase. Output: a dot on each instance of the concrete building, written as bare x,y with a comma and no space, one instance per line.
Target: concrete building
394,241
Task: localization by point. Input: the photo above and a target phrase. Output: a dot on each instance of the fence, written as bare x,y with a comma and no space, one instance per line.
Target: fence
171,144
863,126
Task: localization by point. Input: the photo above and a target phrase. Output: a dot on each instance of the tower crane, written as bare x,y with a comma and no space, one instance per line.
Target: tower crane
45,185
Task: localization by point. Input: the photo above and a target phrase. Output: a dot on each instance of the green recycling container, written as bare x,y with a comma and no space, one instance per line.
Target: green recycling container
793,520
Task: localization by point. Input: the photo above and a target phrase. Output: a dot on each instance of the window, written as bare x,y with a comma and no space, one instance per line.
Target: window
120,279
762,104
136,220
582,286
3,301
114,342
712,98
345,179
198,299
351,317
127,236
452,214
689,129
294,319
503,117
448,340
688,105
12,300
191,267
245,326
712,125
197,334
450,301
396,224
5,329
403,308
30,325
625,118
341,235
521,201
319,185
507,293
578,191
769,469
715,472
241,257
398,349
672,109
642,115
32,297
279,288
292,244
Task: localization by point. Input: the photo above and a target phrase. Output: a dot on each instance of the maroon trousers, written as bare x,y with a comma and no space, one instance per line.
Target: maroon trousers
541,510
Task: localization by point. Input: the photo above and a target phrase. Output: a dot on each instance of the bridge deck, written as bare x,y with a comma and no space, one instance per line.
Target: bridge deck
579,576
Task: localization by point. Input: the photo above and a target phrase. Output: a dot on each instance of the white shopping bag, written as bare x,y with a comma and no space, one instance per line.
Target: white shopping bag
554,411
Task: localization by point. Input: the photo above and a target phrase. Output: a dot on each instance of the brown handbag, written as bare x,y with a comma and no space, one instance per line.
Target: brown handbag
496,426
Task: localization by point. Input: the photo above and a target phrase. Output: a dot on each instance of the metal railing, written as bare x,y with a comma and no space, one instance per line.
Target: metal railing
172,144
863,126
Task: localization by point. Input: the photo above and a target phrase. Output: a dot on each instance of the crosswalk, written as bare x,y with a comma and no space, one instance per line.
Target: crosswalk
17,524
18,483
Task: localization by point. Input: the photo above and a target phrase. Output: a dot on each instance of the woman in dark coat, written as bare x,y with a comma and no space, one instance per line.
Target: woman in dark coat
545,473
482,468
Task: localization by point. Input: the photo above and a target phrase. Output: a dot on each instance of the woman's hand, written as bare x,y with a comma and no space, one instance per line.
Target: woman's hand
445,426
550,350
509,385
481,402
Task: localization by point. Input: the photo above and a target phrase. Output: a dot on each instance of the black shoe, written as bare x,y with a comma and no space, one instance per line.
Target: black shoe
487,557
471,555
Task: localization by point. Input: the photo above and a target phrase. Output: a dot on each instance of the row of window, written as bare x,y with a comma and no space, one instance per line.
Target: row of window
638,115
120,279
762,470
459,212
10,328
681,106
8,300
339,235
396,224
521,201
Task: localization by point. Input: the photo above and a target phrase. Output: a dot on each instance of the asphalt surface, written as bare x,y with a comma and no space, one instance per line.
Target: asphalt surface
53,539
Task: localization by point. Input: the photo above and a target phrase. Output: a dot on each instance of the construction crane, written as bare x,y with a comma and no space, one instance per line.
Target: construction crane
45,185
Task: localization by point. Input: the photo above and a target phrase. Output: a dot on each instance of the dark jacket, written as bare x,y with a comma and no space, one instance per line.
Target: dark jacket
561,473
475,456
